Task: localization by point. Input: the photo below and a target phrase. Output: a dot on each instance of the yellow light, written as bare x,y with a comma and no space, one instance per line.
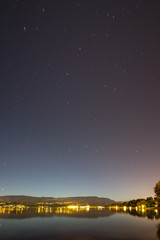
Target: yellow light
143,210
72,207
124,208
47,210
87,209
116,208
99,207
156,211
61,210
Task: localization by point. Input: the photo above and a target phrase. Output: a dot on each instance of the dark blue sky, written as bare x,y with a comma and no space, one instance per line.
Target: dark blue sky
79,98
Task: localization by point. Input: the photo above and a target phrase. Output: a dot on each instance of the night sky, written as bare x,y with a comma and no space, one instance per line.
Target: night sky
80,98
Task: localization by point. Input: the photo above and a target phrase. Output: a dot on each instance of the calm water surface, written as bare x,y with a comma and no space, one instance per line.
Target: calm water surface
63,223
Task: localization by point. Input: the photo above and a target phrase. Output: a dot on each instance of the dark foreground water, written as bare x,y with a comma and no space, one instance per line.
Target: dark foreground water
73,224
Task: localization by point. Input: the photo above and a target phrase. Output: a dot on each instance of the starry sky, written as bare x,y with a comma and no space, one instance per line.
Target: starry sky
80,98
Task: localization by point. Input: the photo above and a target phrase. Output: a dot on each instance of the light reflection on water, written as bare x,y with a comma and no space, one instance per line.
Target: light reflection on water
78,223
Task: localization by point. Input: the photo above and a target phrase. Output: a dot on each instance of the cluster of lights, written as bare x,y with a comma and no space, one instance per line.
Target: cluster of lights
79,208
142,207
68,210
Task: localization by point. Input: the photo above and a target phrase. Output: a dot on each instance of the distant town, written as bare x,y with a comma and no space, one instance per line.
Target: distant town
79,203
46,204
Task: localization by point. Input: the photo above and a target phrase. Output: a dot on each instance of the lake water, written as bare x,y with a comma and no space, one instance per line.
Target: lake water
76,224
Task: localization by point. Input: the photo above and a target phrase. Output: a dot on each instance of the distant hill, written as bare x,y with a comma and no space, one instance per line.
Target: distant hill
94,201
